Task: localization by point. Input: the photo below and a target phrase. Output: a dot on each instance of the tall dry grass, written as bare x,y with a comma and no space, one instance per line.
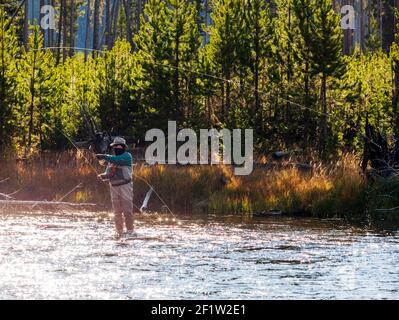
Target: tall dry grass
52,175
332,190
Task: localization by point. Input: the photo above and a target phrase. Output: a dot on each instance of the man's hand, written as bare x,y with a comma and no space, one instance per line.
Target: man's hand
100,156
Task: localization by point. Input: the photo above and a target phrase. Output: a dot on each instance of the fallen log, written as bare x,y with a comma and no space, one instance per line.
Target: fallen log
271,213
45,203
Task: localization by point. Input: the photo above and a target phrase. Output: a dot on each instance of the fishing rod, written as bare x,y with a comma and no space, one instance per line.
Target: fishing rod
97,172
135,175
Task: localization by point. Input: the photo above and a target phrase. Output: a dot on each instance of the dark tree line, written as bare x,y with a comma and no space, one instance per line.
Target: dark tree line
275,66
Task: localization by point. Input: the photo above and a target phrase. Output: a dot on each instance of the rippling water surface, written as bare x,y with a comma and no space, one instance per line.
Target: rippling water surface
74,256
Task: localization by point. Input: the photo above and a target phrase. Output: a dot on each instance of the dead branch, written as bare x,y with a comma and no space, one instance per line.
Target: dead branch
390,209
6,196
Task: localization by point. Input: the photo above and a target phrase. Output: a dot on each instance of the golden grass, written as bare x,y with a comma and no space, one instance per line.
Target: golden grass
327,191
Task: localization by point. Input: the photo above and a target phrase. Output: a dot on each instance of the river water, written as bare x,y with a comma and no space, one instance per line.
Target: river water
74,256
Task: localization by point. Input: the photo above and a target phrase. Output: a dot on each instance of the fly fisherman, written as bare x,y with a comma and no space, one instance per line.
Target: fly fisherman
119,175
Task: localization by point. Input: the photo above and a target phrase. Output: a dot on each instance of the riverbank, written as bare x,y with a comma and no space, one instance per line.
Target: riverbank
336,190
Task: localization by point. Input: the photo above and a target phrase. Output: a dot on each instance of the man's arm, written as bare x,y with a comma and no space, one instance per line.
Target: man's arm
121,160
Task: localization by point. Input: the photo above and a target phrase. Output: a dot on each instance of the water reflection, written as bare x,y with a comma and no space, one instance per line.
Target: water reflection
73,255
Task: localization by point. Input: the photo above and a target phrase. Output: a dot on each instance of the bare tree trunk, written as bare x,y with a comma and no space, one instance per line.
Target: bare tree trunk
362,33
348,36
51,31
32,103
256,73
59,37
198,5
88,23
289,75
96,25
139,10
115,18
307,114
108,24
323,123
380,18
72,29
41,15
128,12
206,9
64,28
26,24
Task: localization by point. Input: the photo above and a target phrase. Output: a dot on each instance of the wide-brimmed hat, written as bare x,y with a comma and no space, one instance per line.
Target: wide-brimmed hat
119,141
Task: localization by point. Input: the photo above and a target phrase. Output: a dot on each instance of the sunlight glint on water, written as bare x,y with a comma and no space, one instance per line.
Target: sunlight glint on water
74,256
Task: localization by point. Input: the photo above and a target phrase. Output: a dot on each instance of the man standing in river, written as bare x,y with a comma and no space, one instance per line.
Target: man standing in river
119,175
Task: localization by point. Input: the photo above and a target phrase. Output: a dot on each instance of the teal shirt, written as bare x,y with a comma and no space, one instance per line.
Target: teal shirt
123,160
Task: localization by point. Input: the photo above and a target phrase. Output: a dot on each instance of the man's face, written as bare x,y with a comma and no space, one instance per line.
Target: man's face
117,150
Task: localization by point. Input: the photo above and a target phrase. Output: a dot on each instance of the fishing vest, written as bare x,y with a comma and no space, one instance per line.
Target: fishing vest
120,175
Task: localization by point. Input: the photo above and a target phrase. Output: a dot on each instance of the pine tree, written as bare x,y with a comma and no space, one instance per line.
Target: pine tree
79,81
373,40
259,32
224,37
185,42
302,11
34,90
364,92
168,43
285,32
154,53
118,75
8,55
325,47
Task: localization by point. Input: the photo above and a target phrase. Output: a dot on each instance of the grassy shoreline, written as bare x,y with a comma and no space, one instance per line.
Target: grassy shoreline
331,191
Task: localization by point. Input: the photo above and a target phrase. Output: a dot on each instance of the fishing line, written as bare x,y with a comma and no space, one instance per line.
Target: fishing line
88,161
75,48
231,81
326,114
213,77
